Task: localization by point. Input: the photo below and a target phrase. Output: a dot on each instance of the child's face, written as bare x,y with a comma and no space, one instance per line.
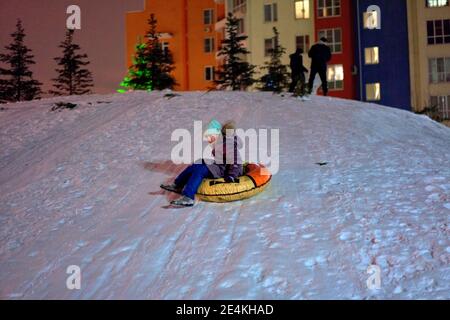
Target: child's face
211,138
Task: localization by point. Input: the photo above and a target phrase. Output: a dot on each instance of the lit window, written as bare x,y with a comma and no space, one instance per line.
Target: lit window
437,3
270,12
334,37
373,92
335,77
439,70
209,73
328,8
442,104
302,9
372,55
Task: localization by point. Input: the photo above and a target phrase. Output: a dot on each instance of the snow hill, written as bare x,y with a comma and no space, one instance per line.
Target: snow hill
81,187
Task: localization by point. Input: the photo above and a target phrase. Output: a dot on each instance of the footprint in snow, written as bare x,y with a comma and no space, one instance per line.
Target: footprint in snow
345,236
310,262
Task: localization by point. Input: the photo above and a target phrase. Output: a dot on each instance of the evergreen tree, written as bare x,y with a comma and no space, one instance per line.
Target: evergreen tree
73,78
139,76
17,83
152,65
235,73
277,77
160,61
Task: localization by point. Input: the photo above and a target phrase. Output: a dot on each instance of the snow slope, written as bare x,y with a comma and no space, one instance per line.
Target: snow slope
81,187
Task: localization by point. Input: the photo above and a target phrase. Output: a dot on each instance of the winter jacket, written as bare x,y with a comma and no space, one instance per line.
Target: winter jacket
297,66
226,164
320,55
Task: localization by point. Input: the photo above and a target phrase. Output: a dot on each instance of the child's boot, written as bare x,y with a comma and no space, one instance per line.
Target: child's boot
171,187
183,201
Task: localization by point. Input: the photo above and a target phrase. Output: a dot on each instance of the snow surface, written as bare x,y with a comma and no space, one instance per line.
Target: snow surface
81,187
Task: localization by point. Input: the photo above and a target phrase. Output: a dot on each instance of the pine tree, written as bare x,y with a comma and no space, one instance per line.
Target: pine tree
152,65
73,78
17,83
277,77
160,61
139,76
235,73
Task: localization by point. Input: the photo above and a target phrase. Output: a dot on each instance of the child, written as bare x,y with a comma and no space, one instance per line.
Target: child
188,182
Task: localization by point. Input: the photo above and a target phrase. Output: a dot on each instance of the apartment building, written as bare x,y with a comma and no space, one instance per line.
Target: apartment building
382,52
429,53
187,28
395,53
334,21
293,19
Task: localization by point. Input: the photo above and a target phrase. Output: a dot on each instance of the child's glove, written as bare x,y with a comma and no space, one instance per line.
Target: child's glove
230,179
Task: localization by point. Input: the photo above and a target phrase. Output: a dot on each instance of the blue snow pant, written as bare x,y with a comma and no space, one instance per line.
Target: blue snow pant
191,179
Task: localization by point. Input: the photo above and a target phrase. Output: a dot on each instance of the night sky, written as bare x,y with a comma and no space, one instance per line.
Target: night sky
102,35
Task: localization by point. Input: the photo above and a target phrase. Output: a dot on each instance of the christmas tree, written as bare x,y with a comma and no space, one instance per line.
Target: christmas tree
152,65
139,76
73,78
235,73
277,77
17,83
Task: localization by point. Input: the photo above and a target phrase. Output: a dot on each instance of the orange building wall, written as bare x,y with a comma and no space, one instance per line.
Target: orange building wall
184,20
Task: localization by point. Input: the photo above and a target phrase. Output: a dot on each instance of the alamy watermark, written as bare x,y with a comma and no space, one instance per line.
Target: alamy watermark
255,147
374,280
73,281
74,20
372,18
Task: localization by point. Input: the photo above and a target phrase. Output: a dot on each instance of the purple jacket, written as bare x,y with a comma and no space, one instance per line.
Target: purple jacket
226,163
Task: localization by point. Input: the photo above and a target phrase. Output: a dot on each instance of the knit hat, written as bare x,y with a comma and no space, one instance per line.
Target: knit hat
214,128
229,125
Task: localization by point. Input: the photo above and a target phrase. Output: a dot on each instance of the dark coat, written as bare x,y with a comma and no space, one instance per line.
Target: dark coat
296,65
320,55
226,164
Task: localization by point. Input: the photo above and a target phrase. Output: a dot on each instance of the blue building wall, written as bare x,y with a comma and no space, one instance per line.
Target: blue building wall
392,39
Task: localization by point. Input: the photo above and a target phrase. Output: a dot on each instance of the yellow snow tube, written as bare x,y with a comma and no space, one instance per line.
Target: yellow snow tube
254,181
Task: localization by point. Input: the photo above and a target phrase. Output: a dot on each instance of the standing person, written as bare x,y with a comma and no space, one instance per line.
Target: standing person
298,71
225,144
320,55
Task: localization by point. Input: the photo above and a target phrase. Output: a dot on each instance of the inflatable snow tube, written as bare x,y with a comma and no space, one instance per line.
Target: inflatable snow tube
254,181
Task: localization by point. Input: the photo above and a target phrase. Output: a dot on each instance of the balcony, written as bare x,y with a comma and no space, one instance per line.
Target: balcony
165,35
220,25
